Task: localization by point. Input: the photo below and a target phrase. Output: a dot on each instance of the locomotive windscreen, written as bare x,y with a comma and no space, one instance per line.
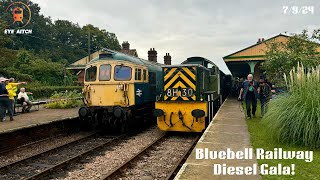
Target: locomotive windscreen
180,83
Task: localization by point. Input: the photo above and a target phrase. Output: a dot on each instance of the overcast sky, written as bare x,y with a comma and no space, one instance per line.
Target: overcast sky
185,28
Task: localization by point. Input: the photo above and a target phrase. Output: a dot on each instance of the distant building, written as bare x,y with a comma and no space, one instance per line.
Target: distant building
248,60
79,66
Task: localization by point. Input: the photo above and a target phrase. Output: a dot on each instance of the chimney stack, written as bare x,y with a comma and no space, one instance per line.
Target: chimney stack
152,55
125,45
262,39
259,41
167,59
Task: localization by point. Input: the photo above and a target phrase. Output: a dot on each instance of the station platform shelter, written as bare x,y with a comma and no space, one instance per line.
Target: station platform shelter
248,60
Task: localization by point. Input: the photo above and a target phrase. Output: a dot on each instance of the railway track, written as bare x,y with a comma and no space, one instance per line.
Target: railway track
41,164
30,144
153,156
16,139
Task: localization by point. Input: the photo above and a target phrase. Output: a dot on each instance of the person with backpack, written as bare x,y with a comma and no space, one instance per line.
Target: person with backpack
265,95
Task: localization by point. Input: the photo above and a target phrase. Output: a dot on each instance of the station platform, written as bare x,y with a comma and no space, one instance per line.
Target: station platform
36,118
228,129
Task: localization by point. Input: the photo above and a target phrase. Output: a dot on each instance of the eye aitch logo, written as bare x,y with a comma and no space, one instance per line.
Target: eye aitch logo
21,16
17,15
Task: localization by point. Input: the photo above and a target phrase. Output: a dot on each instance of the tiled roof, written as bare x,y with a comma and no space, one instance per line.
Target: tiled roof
81,63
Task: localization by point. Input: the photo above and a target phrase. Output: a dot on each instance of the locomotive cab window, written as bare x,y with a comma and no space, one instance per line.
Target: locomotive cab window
91,74
138,74
212,69
122,73
105,72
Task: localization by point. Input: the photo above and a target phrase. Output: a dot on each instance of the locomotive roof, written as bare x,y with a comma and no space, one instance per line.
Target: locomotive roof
185,65
108,54
197,58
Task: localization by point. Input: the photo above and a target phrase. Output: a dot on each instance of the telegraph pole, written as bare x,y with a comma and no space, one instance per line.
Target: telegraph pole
89,53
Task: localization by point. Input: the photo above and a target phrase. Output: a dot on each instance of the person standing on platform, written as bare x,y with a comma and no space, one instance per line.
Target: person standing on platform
14,87
265,96
4,100
249,92
11,99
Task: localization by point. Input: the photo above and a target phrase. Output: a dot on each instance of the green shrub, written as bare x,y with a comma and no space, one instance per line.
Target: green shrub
48,91
294,117
64,100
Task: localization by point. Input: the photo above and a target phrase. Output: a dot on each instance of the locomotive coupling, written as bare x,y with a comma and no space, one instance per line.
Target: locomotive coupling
157,112
198,113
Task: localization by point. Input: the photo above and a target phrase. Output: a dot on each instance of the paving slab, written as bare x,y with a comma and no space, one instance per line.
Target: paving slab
228,129
35,118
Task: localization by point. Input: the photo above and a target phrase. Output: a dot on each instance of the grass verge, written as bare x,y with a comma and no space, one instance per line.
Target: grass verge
261,138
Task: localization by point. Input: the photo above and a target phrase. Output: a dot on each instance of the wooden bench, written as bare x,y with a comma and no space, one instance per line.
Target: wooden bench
35,104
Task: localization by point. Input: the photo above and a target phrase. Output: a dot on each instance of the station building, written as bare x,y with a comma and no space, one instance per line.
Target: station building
248,60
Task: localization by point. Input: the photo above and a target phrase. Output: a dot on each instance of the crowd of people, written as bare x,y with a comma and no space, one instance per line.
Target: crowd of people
250,91
9,98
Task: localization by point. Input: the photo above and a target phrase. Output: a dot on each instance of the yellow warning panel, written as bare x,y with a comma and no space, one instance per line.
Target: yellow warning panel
178,116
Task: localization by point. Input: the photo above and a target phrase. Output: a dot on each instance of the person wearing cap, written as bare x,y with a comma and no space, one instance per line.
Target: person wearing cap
14,88
265,95
4,99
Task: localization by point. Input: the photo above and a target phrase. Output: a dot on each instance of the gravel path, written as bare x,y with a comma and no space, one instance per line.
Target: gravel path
30,150
104,161
159,160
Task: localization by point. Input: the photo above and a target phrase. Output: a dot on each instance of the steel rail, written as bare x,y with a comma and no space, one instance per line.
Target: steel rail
47,151
72,159
30,144
180,162
118,169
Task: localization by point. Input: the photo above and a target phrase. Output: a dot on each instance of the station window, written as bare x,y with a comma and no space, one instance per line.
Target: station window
91,74
144,75
138,74
105,72
122,73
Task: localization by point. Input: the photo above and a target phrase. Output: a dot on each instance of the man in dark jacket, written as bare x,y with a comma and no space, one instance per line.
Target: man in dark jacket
4,99
265,95
249,92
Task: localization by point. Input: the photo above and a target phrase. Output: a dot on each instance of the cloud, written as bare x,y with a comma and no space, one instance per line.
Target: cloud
207,28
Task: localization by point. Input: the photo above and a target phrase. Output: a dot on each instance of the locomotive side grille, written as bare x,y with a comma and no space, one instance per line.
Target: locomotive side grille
180,84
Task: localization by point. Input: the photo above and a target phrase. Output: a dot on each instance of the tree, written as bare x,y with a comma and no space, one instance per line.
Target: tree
282,57
61,39
43,55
